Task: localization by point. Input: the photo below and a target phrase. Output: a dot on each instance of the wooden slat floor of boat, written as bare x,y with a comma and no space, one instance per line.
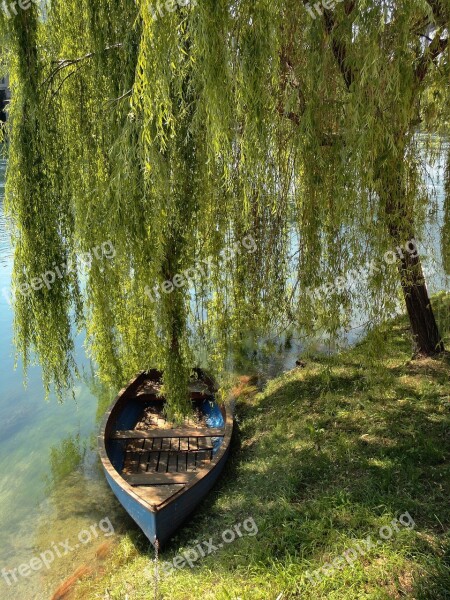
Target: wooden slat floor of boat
154,461
133,456
191,432
174,446
153,388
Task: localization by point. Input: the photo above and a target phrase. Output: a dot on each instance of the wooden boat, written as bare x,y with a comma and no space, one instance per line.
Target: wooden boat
160,472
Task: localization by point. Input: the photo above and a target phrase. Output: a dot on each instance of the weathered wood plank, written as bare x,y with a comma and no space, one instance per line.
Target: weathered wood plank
163,460
168,433
145,455
159,478
165,444
156,444
156,494
175,450
190,456
202,459
132,456
203,443
153,461
172,462
181,462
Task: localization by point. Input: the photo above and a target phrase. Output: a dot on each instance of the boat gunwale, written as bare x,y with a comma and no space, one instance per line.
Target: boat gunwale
133,490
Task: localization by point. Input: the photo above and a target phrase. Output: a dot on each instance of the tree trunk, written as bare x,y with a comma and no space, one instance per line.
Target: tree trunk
424,328
390,174
400,223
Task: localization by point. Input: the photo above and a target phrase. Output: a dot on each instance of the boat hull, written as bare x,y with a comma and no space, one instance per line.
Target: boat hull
159,519
161,524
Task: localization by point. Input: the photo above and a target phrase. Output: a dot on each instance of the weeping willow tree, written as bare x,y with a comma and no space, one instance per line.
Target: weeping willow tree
177,131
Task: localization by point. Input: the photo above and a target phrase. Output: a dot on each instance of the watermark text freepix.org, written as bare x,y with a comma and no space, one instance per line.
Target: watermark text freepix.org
84,260
57,550
352,554
341,282
189,557
157,10
188,276
319,7
10,8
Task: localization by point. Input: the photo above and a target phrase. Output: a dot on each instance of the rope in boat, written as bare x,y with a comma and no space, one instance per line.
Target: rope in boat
156,570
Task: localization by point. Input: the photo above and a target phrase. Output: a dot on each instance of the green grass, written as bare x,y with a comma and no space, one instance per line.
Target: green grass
322,458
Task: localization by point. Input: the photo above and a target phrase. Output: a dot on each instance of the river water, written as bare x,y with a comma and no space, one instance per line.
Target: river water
54,501
51,486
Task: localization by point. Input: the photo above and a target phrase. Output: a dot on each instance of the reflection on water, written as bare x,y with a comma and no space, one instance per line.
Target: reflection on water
51,485
65,458
5,248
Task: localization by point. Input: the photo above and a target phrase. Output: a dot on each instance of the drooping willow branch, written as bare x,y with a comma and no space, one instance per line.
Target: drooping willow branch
440,13
64,63
246,118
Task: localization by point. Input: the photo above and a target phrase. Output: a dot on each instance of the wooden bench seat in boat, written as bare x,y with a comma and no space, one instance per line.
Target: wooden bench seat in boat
159,478
181,432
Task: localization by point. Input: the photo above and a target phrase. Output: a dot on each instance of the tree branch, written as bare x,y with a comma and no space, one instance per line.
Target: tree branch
430,56
339,47
288,78
122,97
439,12
292,116
68,62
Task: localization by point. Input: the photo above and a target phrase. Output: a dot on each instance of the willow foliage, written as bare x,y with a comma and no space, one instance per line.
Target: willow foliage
176,135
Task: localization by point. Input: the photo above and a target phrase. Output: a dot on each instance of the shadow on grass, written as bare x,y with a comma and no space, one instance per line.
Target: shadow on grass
333,453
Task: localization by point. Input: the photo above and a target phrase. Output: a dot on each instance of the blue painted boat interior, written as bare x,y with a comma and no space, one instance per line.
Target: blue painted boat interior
213,418
127,419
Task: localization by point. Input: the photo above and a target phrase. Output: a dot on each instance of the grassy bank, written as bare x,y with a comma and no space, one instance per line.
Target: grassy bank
322,459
